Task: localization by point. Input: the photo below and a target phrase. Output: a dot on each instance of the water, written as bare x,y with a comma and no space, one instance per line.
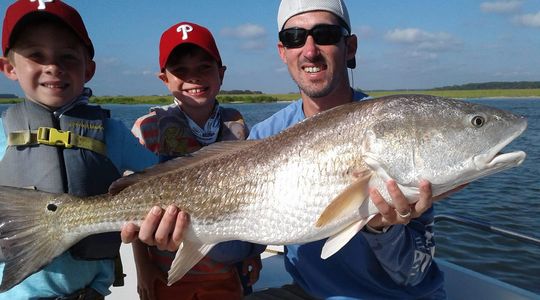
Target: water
508,200
253,113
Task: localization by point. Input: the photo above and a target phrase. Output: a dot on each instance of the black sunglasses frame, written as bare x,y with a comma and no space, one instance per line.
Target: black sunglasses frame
323,34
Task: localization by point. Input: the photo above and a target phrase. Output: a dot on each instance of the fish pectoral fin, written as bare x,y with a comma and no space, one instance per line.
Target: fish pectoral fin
337,241
350,199
186,257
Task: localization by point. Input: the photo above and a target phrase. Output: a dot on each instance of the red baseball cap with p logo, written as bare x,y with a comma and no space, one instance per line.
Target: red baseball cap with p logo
24,8
186,33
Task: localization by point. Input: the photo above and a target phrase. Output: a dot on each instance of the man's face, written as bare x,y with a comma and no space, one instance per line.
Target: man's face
318,70
51,64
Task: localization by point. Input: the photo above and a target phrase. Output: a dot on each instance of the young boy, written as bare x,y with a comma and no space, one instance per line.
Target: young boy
192,70
58,143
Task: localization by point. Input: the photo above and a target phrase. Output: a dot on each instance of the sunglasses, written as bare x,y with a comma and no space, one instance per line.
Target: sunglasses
323,34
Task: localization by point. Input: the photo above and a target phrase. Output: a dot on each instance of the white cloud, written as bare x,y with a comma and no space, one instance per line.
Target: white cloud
422,55
529,20
363,31
407,35
505,6
282,69
422,40
110,61
253,45
251,36
139,73
244,31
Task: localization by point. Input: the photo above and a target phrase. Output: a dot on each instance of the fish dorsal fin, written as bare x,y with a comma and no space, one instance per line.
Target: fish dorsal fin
337,241
350,199
204,154
186,257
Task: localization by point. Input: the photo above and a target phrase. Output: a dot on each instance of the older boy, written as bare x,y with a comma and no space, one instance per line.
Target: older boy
46,48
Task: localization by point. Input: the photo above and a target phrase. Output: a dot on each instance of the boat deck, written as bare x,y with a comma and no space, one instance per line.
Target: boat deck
461,283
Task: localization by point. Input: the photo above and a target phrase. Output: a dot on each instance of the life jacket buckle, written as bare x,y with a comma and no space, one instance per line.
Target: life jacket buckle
54,137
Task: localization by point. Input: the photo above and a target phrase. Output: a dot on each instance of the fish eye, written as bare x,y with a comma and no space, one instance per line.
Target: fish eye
478,121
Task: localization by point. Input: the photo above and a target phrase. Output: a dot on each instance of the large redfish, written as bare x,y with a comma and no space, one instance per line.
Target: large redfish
307,183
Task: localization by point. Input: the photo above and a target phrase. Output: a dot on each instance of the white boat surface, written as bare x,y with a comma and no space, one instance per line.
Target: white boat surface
460,283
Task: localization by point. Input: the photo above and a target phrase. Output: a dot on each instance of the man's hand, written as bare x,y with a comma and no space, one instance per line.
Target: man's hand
402,212
162,229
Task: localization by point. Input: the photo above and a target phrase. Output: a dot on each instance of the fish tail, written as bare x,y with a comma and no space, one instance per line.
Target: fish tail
28,240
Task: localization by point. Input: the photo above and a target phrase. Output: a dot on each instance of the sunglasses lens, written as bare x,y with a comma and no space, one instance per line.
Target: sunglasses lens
322,34
326,34
293,37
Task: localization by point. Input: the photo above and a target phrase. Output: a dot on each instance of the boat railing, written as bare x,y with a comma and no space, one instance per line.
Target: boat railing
487,227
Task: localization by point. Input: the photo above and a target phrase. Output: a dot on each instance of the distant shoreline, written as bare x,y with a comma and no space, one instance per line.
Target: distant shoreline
266,98
467,94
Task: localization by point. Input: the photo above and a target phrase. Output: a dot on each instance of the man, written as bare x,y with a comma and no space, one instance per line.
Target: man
392,257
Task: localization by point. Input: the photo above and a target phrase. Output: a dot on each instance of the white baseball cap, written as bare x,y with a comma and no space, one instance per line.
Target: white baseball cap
289,8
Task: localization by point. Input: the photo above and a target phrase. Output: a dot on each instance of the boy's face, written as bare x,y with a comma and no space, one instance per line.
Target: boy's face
50,63
193,77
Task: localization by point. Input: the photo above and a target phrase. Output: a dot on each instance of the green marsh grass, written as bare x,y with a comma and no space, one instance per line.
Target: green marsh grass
261,98
464,94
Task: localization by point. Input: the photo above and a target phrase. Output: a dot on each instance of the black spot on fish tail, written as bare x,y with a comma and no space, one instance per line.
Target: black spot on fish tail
27,241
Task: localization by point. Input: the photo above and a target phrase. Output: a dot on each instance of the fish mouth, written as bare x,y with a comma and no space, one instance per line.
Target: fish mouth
495,160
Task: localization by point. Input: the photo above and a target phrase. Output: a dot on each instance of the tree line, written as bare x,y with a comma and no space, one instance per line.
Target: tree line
241,92
493,85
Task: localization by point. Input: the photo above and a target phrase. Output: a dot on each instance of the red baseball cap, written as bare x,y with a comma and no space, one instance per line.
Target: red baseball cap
184,33
22,8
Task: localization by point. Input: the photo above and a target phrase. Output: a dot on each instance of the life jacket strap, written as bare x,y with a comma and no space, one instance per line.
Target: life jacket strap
54,137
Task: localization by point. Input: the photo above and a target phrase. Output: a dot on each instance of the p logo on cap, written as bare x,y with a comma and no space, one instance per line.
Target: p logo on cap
186,33
41,3
185,29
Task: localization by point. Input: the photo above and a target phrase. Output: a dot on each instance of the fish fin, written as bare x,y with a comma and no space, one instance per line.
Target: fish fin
350,199
337,241
186,257
204,154
28,239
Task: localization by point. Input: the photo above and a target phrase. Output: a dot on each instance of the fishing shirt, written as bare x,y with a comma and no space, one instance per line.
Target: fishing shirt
397,264
65,275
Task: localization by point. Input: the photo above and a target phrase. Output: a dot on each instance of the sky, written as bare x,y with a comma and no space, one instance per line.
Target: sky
416,44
